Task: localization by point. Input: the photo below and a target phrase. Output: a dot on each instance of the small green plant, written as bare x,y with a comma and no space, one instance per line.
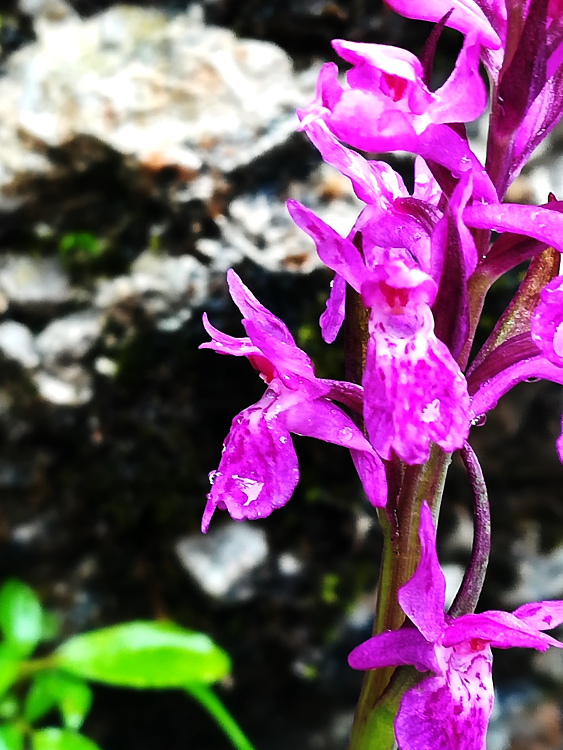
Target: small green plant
81,246
140,654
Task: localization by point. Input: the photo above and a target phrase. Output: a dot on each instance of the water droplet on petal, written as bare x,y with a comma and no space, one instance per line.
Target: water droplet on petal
249,487
479,421
213,476
346,434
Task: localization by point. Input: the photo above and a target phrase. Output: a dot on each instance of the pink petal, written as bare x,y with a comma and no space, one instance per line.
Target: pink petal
451,710
423,598
467,16
394,648
511,249
222,343
547,322
322,419
291,364
541,615
499,629
258,470
253,310
426,188
415,396
333,317
373,181
372,476
540,223
463,97
329,91
490,391
367,59
337,252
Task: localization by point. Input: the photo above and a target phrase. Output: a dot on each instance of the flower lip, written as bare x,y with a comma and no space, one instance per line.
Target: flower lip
258,468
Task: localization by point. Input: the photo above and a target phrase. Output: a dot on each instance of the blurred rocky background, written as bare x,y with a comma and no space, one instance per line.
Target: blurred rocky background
145,149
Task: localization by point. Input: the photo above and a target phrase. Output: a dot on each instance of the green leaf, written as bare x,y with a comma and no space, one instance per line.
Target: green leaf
9,666
209,700
40,698
75,703
144,655
77,242
56,689
9,707
11,737
52,738
21,616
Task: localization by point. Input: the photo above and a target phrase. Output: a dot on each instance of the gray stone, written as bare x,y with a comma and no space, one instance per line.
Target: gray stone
222,560
17,343
70,387
166,91
453,574
168,288
70,338
62,345
50,10
540,577
259,227
34,283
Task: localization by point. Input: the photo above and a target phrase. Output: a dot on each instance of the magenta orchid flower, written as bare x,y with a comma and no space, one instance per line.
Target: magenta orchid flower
411,259
415,393
258,469
386,106
450,709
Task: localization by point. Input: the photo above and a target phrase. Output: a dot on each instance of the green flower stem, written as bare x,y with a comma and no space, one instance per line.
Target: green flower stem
205,695
409,486
383,689
32,666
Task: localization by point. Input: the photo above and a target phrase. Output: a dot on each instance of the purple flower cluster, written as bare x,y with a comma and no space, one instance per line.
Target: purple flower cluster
421,264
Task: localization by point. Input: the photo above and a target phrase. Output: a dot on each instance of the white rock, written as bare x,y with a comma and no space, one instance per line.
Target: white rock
69,338
167,91
17,343
223,558
34,282
75,389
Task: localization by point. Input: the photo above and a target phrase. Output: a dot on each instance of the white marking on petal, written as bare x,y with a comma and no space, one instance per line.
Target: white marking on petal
250,487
